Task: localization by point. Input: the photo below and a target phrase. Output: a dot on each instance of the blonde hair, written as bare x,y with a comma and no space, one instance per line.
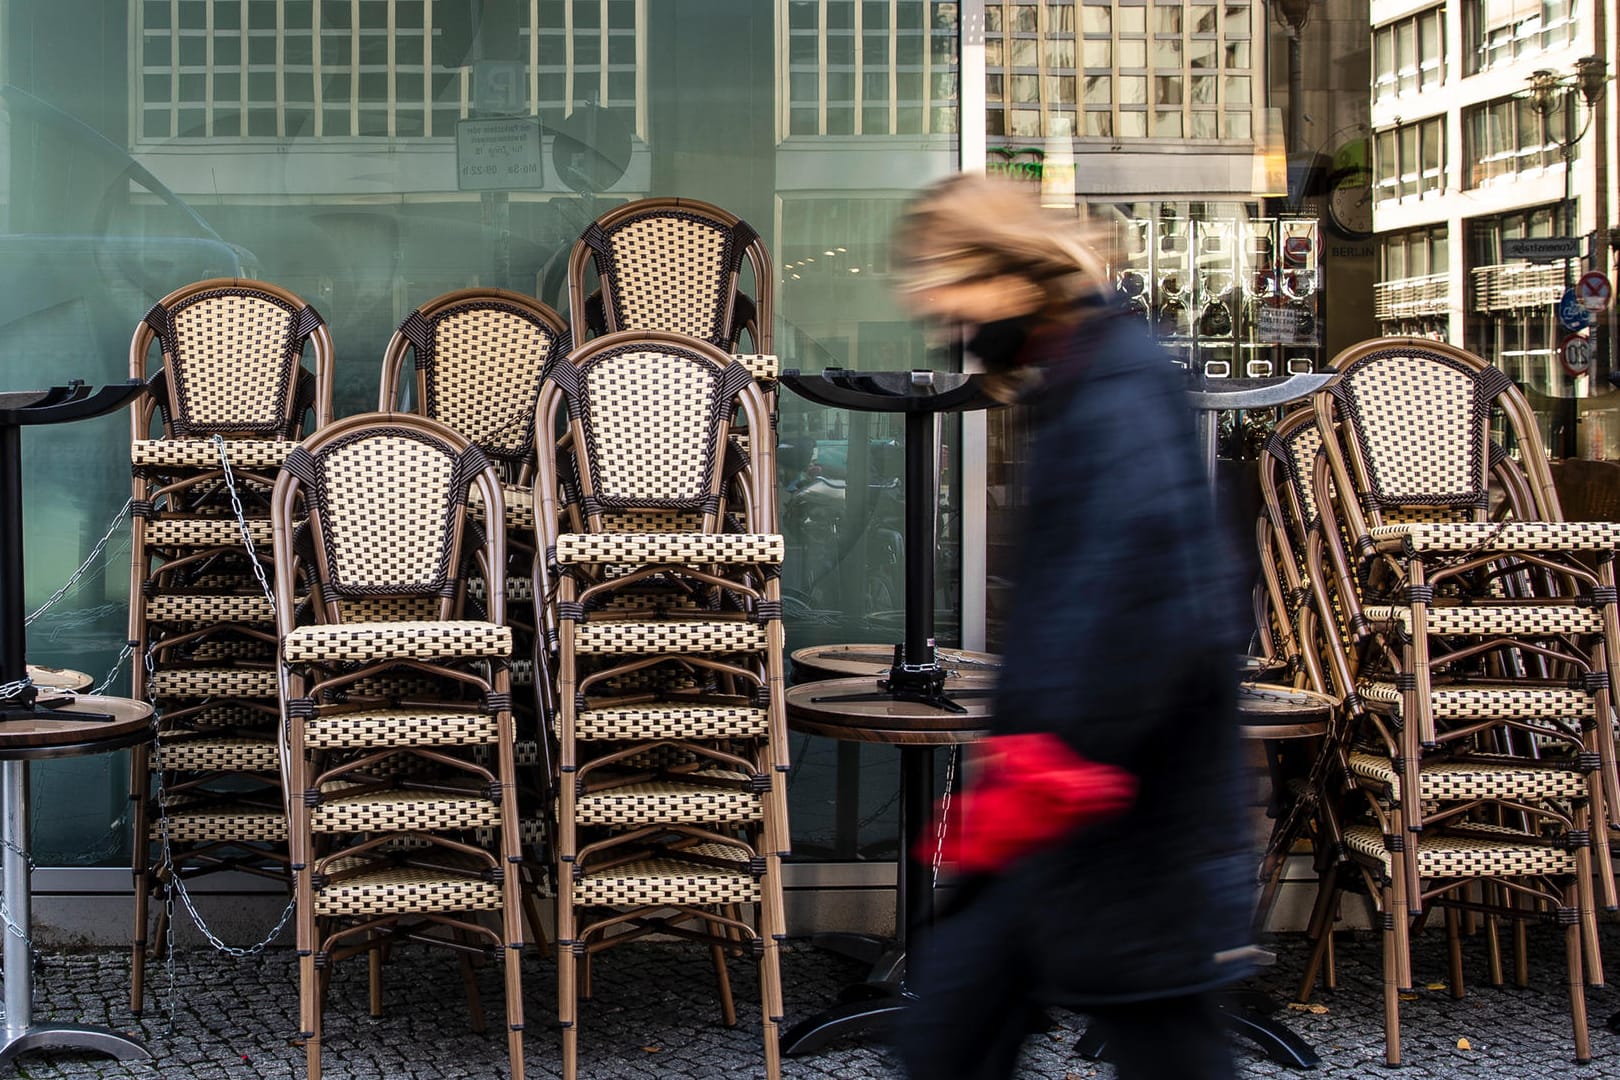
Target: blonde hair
969,227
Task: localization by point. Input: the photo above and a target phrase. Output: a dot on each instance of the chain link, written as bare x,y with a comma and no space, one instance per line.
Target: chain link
117,666
12,689
12,926
84,567
944,812
241,521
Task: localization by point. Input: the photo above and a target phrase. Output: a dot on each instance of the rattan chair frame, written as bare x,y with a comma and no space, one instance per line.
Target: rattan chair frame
205,380
606,497
300,501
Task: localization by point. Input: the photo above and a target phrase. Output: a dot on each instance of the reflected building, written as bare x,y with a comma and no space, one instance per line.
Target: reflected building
1469,168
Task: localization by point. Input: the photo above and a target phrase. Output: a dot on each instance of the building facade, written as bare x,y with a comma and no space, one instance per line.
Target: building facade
1470,165
342,149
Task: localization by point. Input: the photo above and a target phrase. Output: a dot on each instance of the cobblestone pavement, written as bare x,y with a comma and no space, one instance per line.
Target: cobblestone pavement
654,1015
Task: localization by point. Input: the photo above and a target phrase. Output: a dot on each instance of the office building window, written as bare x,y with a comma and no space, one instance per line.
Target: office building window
384,68
1499,32
859,67
1107,70
1507,136
1409,161
1409,55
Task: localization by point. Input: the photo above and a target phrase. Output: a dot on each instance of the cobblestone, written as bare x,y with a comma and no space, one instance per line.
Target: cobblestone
655,1015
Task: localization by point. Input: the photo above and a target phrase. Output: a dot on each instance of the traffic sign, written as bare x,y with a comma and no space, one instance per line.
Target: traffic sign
1575,353
1593,291
1571,313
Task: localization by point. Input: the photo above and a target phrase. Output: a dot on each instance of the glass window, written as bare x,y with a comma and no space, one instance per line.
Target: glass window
1099,90
1167,19
1096,19
1132,54
1099,54
238,144
1132,20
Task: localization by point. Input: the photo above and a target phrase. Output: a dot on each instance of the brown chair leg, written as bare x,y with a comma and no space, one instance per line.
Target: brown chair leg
722,978
770,979
1577,994
1454,952
309,1007
469,980
1493,943
1392,991
374,979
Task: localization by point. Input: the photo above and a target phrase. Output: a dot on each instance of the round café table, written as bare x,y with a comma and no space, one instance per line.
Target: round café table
60,725
848,710
875,661
58,678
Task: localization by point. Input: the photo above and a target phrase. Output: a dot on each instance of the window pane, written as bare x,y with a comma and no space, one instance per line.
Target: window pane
1099,54
1133,54
1132,125
1237,90
1201,19
1167,53
1095,19
1166,19
1099,90
1133,20
1100,123
1201,125
1167,125
1133,90
1239,125
1167,90
1060,89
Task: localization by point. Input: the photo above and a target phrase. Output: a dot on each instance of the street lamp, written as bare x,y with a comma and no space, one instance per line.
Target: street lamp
1551,92
1293,15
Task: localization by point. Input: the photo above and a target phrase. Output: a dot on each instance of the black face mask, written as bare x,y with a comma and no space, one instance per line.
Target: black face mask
997,344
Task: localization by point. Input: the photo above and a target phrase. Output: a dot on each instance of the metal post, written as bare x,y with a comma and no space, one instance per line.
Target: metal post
19,974
921,434
13,637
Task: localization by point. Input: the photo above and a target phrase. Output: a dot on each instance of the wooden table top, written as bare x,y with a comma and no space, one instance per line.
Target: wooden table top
1271,711
59,733
59,678
825,708
847,661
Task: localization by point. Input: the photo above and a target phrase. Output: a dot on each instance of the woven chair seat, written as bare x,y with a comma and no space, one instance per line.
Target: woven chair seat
1483,851
405,890
1443,537
205,607
1490,702
519,502
644,549
218,823
182,751
670,878
367,642
517,588
212,682
1492,620
204,532
403,811
611,637
764,367
671,721
661,802
181,453
1480,776
400,727
218,650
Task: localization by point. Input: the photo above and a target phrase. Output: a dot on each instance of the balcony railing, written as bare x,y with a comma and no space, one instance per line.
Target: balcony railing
1512,286
1411,298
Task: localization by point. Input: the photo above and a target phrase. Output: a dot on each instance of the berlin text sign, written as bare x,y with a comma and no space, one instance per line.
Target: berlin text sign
1542,248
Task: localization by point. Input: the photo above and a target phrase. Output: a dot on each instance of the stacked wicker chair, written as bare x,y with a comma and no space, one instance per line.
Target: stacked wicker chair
671,810
1470,634
675,265
231,393
479,355
399,737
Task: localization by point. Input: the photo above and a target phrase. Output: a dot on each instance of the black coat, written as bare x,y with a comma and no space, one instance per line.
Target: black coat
1121,640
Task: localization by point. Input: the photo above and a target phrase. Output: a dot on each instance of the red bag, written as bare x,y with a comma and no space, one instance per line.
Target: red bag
1030,791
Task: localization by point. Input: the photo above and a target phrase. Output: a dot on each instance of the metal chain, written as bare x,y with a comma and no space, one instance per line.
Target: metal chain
84,567
241,521
117,666
12,927
12,689
944,812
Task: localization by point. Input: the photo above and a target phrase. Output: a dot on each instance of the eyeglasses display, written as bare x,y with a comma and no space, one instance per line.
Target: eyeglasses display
1230,295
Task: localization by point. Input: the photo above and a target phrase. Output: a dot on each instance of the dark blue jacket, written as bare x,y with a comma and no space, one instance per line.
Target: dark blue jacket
1121,639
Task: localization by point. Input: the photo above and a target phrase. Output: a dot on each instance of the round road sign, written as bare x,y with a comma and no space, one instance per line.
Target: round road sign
1570,312
1593,291
1575,353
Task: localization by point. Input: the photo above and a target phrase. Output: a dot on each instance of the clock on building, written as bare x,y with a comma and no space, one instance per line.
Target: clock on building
1349,202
